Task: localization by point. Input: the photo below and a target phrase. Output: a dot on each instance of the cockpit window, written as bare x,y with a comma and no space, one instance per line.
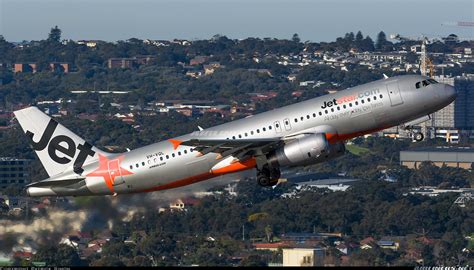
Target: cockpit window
432,81
417,85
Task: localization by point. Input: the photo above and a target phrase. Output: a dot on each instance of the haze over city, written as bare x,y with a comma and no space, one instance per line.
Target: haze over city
312,20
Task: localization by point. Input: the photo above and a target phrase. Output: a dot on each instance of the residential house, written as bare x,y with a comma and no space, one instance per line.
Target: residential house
25,67
59,67
388,244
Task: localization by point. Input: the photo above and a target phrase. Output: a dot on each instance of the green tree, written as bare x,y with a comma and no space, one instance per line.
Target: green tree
253,261
296,38
55,35
359,37
62,255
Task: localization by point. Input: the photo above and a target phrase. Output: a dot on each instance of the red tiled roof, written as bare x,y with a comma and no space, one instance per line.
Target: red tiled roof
367,240
269,245
23,254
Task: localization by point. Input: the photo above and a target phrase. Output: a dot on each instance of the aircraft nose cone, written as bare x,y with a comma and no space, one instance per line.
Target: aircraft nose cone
450,92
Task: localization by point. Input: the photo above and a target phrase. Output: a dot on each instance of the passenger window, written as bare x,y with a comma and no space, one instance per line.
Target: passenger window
338,108
286,122
368,99
179,153
246,134
143,163
240,136
344,106
362,101
131,167
161,158
332,109
320,113
136,165
302,118
167,157
326,111
307,116
233,137
264,129
258,130
350,104
356,103
251,132
381,96
270,127
185,151
296,120
375,98
314,114
173,155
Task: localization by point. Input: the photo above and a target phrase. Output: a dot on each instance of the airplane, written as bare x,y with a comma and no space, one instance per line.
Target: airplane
300,134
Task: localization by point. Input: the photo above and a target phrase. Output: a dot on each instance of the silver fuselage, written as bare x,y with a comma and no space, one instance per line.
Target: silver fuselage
346,114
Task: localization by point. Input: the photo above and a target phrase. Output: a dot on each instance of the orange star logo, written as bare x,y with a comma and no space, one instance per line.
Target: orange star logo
109,169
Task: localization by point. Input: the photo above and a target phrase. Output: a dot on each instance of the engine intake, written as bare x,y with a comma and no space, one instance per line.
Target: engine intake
310,149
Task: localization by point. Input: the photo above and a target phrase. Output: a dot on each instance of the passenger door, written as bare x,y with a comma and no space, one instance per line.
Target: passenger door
115,173
394,93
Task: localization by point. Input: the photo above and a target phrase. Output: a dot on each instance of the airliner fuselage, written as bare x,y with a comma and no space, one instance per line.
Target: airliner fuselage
304,133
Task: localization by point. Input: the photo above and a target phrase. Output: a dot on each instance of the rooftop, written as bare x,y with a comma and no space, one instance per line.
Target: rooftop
441,149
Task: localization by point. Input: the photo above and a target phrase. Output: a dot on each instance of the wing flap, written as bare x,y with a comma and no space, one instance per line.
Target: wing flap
238,148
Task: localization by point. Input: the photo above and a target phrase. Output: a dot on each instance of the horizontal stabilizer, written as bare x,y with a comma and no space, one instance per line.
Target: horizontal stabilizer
56,183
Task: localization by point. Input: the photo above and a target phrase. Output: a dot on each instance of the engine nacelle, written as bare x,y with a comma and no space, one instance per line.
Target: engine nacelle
310,149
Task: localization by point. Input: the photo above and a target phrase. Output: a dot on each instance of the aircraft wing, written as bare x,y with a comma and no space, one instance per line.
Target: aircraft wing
240,149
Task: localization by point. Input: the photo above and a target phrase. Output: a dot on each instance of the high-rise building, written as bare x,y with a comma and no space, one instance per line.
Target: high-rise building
14,171
456,121
464,103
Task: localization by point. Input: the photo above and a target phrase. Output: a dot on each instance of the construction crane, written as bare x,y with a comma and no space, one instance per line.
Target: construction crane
425,62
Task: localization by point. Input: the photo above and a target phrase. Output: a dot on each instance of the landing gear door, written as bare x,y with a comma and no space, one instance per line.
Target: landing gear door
394,93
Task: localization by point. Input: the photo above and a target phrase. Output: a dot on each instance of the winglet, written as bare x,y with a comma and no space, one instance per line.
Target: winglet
200,128
385,76
176,143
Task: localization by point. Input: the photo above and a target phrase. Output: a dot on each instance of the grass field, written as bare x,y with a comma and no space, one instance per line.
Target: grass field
357,150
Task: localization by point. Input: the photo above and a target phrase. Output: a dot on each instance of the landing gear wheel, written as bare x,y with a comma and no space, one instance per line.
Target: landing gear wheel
263,179
418,136
267,177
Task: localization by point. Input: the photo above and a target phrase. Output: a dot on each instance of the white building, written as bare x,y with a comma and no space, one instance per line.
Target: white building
303,256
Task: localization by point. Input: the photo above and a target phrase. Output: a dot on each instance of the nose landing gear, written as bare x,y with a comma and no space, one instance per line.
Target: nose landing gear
418,136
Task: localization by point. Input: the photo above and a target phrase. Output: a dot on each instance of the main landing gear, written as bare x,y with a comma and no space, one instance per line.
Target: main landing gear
268,177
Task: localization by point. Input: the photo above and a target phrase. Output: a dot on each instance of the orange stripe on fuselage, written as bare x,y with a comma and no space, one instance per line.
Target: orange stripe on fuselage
235,167
335,138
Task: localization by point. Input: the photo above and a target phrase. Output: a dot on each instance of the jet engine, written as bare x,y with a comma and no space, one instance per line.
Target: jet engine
310,149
